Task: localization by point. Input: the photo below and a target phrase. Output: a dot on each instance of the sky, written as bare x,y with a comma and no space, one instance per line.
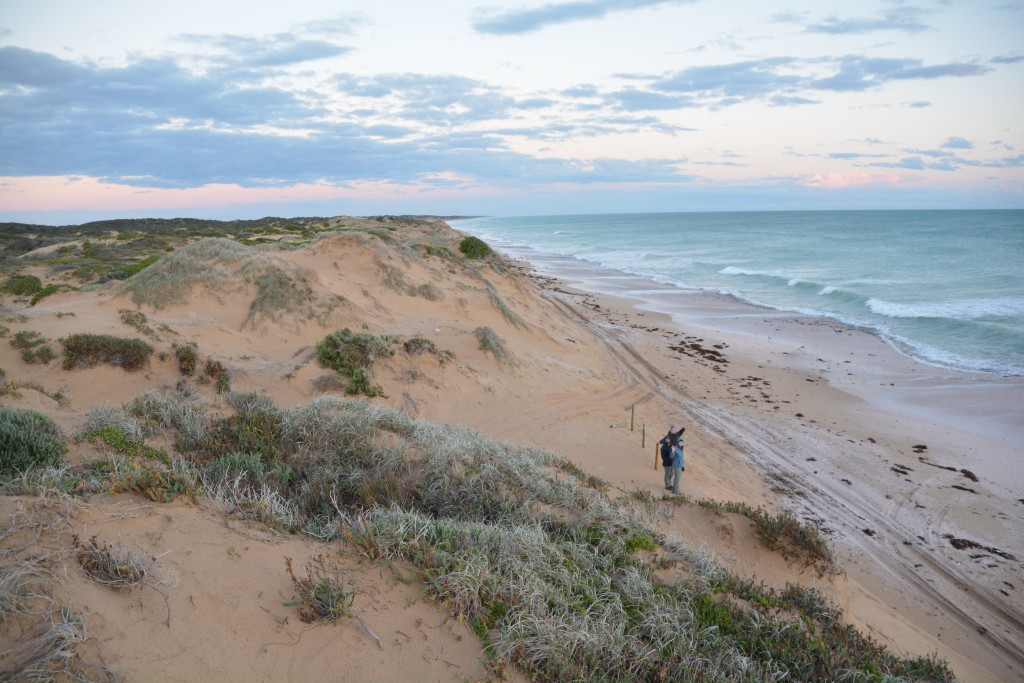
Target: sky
226,110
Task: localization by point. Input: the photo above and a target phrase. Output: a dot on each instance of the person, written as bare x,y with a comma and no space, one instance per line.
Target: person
678,465
666,452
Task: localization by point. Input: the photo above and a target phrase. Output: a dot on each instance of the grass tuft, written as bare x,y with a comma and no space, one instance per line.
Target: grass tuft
491,343
320,595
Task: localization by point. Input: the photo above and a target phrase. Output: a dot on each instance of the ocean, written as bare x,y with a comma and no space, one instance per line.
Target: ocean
943,287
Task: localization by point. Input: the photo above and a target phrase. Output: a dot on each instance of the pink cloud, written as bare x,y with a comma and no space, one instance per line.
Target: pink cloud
840,179
56,193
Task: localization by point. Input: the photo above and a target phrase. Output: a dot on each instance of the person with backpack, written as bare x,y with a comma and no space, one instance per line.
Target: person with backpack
678,465
666,444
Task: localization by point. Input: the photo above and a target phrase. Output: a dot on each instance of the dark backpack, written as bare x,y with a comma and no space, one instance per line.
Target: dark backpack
666,450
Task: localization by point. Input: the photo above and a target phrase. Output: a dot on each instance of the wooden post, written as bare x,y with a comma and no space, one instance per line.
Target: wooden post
643,436
632,414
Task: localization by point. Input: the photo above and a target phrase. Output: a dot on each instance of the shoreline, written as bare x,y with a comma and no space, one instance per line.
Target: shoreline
832,417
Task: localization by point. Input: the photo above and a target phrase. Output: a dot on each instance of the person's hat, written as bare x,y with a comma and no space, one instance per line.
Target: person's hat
672,428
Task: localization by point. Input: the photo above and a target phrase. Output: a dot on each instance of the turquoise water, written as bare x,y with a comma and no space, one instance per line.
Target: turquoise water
945,287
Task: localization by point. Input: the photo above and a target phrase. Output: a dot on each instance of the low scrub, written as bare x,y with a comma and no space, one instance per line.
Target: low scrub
353,354
33,347
28,440
22,285
474,248
89,350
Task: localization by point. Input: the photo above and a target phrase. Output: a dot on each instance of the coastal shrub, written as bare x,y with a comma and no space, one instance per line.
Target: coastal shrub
220,375
187,358
43,293
33,347
22,285
28,439
85,350
126,271
353,354
474,247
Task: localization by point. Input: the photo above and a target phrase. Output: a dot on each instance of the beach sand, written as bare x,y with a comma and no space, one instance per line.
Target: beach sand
781,411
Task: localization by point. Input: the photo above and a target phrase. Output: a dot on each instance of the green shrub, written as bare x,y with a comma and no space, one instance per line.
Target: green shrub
33,347
88,350
28,439
474,247
353,354
43,293
22,285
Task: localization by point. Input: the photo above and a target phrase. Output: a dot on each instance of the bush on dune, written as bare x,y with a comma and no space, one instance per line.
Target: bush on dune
28,439
88,350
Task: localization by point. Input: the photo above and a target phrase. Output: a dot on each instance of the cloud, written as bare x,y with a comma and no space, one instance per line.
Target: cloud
442,100
903,18
957,143
282,49
29,68
1007,59
838,180
858,73
631,99
523,20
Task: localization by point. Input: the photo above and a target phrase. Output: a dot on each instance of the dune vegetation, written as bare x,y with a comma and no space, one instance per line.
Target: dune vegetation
561,576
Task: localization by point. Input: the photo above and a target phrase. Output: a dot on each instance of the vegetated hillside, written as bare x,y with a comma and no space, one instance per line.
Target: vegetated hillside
280,374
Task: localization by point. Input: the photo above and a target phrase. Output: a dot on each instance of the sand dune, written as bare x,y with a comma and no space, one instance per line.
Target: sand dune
592,378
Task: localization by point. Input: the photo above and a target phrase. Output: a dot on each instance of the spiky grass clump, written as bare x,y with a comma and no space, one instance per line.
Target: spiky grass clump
511,316
353,354
89,350
493,344
321,595
28,440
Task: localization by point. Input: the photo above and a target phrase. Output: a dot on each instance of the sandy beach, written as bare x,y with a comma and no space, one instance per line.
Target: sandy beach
913,473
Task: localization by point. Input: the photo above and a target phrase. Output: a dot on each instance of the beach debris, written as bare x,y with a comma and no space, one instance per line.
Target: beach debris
970,475
920,448
869,532
964,544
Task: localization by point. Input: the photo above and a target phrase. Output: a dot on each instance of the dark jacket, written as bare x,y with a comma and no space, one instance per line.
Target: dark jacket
667,442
